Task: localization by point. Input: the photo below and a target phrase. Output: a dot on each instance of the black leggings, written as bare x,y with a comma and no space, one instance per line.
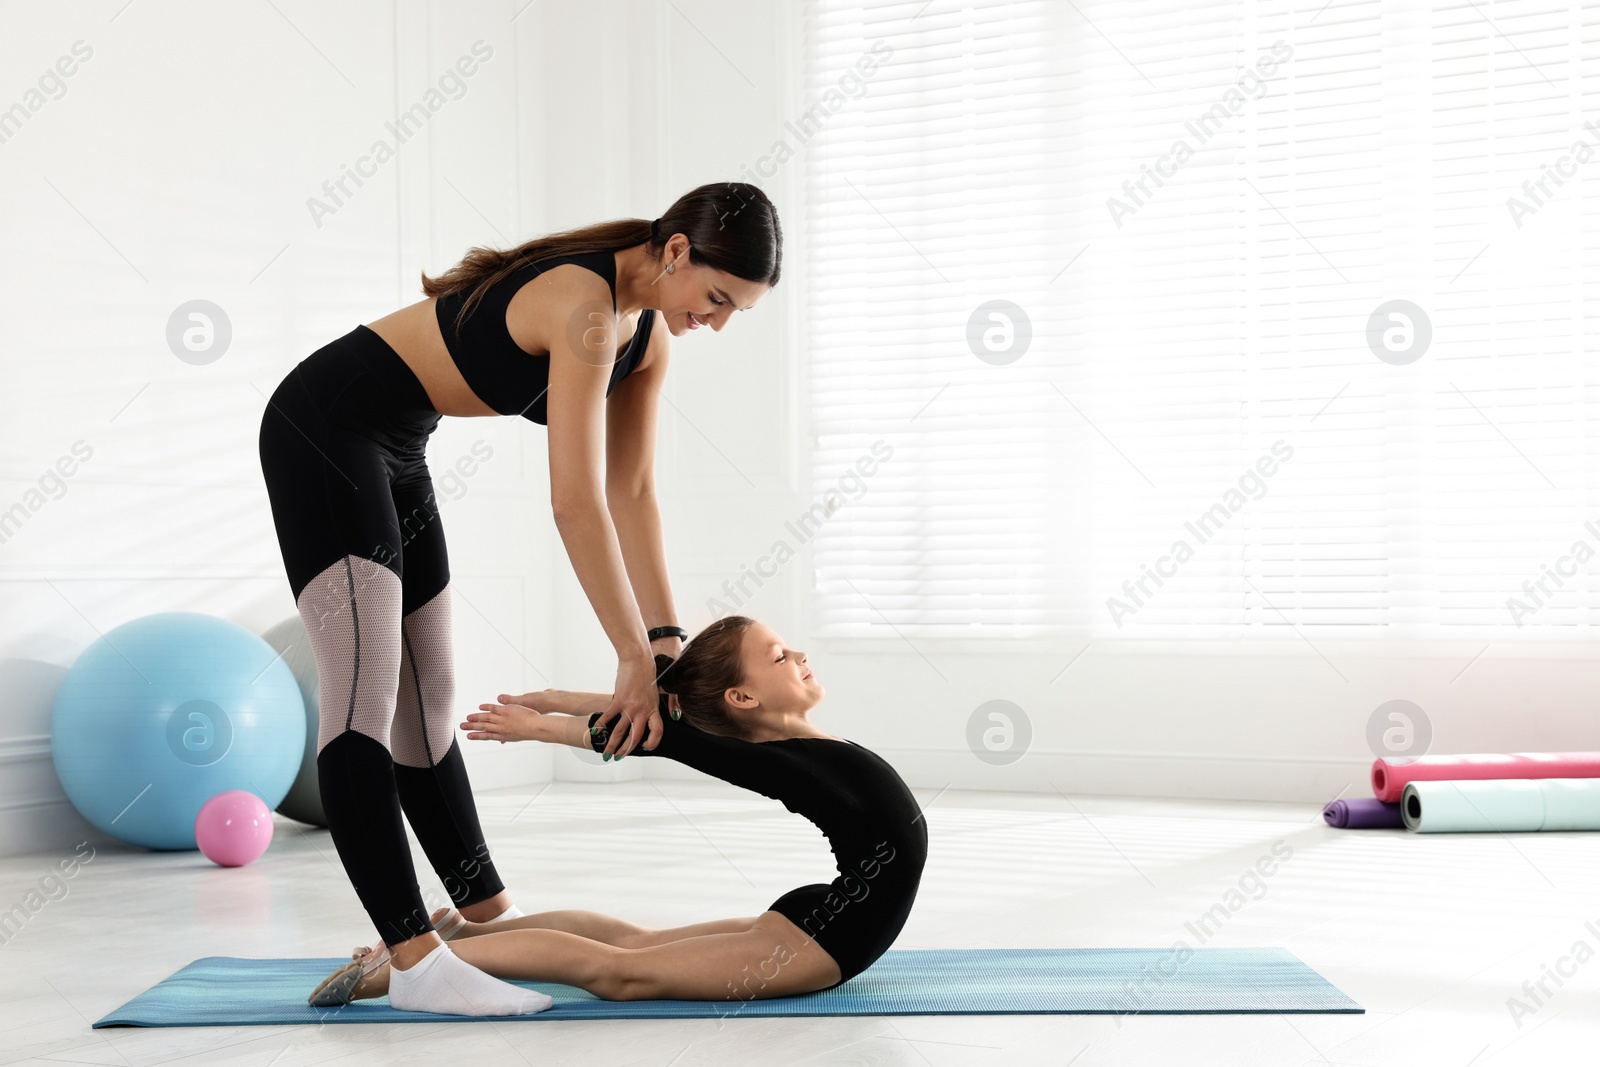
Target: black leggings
342,449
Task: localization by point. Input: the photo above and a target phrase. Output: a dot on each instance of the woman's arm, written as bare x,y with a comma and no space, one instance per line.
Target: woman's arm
631,416
580,366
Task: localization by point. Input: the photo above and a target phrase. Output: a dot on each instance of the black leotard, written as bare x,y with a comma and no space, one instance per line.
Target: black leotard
504,376
872,822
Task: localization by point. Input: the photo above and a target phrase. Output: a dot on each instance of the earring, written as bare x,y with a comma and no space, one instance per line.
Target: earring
669,268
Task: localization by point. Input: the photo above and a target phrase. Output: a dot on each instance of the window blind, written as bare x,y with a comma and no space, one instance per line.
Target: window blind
1303,299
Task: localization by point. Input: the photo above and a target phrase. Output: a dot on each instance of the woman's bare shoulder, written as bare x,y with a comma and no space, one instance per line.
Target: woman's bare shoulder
567,304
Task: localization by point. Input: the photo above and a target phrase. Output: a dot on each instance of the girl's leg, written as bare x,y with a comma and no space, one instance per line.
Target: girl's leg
429,772
772,959
603,928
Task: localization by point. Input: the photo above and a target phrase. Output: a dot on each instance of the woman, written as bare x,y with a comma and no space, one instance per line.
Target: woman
559,331
744,700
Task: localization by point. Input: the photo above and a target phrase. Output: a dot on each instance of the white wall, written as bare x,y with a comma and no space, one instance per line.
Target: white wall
177,165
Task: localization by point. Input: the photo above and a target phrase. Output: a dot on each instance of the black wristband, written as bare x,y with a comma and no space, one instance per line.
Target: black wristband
669,631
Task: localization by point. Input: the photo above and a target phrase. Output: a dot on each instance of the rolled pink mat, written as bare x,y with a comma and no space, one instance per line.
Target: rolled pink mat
1363,813
1389,777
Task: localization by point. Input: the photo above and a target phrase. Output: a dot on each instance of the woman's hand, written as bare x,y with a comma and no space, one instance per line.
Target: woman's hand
504,722
635,704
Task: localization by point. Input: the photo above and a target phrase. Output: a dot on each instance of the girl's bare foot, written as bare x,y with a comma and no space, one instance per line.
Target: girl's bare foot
355,980
373,983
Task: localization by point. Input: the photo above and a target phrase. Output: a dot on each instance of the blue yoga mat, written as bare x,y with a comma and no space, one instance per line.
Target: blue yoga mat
227,991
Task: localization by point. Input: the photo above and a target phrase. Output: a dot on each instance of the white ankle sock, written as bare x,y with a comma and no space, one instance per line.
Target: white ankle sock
446,984
511,912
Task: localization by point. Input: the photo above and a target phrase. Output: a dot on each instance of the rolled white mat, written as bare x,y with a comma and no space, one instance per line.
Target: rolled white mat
1505,805
1571,804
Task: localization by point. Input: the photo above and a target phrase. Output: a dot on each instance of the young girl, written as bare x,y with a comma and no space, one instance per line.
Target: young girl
744,699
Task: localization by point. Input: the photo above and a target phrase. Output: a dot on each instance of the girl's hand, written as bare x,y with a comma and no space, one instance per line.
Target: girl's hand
503,722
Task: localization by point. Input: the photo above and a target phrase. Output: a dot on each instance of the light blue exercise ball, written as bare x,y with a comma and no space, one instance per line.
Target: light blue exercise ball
303,802
163,713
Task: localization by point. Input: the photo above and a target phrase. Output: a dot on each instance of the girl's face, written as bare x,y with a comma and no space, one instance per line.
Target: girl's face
776,677
694,296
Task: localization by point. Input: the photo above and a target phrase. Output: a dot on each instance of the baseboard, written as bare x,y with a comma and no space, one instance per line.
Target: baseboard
32,746
35,815
43,826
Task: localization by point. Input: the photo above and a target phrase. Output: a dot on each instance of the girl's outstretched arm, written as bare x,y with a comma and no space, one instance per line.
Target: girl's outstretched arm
555,716
566,701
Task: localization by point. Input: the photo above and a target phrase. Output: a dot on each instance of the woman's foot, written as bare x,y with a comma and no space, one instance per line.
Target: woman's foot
445,984
448,923
441,983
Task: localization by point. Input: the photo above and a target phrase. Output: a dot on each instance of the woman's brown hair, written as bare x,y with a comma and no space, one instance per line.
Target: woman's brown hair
731,226
708,667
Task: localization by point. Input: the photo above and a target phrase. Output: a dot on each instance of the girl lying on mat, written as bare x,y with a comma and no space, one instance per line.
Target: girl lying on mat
744,698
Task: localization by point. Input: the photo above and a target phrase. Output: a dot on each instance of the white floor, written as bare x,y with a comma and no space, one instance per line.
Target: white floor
1431,934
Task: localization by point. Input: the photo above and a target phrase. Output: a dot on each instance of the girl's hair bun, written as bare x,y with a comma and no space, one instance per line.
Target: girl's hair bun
709,665
667,673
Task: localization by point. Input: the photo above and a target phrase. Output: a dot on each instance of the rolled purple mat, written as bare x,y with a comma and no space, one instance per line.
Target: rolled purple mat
1363,813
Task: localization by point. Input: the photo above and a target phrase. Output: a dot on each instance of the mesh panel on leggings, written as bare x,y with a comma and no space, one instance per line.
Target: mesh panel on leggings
352,614
423,725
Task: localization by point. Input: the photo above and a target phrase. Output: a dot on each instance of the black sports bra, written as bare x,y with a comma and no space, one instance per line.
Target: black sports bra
502,375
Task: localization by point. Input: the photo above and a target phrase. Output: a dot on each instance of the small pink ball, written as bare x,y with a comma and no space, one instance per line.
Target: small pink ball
233,828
